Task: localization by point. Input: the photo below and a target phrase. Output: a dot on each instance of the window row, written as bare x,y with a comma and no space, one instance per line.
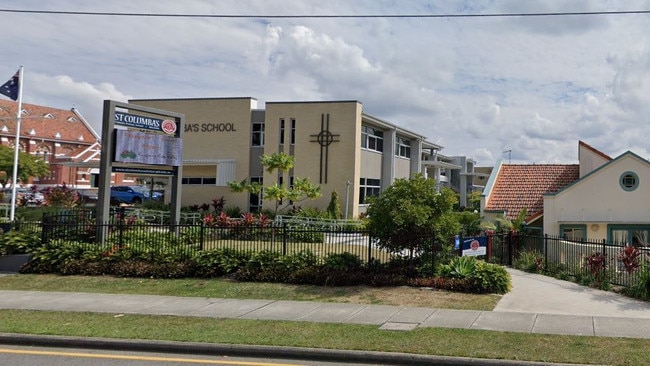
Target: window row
403,147
372,138
368,187
635,235
199,180
257,132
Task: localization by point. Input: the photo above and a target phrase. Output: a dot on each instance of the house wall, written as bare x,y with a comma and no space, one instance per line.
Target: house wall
598,200
589,160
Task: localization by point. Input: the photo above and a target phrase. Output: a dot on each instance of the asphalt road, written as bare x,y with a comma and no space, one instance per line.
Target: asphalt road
35,356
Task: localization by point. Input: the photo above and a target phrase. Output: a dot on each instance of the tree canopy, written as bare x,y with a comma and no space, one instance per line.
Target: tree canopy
301,189
406,211
28,165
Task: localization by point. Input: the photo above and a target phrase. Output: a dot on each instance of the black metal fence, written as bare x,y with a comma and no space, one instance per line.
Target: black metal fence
190,238
577,258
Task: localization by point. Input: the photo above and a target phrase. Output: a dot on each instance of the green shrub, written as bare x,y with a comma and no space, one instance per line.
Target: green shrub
50,257
458,267
342,262
300,260
491,278
640,289
306,234
530,261
233,211
19,242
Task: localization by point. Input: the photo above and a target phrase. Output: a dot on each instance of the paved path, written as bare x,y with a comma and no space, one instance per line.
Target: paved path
536,304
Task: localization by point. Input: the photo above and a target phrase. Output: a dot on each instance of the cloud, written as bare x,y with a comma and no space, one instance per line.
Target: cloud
477,86
62,89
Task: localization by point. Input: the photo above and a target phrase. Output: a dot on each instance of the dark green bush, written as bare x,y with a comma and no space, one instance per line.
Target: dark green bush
491,278
530,261
458,267
342,262
19,242
640,289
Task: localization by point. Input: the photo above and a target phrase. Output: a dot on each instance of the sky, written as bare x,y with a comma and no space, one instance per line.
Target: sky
520,89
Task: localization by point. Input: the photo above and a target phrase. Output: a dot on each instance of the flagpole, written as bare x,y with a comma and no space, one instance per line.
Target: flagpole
14,178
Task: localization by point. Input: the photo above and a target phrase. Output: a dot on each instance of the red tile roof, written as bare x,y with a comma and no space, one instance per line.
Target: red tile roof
519,186
45,123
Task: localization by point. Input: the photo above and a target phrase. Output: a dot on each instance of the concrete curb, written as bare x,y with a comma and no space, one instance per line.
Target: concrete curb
235,350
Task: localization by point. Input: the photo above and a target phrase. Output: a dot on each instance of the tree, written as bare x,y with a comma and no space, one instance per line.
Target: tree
334,208
28,165
407,211
279,163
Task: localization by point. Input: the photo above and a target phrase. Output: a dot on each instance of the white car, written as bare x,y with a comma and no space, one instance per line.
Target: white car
33,197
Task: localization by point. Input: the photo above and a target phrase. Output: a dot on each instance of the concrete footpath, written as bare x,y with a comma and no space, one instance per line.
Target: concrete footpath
536,304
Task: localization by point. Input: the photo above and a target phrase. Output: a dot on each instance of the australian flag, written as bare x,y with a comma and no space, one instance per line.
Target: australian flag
10,88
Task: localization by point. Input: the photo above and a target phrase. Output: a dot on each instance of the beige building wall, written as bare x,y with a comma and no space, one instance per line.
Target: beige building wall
218,138
599,200
332,166
216,130
402,167
370,164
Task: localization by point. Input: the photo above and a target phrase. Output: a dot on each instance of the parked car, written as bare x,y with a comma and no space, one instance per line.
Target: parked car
127,194
24,196
87,196
156,195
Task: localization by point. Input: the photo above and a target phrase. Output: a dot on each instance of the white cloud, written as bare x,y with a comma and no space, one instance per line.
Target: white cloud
64,93
478,86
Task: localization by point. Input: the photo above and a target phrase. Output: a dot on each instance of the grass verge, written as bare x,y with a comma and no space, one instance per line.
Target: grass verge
438,341
433,341
223,288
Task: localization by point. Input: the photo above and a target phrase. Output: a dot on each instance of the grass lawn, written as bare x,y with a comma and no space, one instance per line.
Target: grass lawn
438,341
223,288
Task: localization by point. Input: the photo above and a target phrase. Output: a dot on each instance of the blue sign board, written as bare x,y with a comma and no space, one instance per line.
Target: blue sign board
475,246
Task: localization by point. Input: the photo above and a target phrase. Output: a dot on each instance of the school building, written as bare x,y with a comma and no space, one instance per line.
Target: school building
335,144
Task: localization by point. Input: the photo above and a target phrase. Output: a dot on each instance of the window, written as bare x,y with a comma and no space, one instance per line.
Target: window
258,134
372,138
573,232
255,200
293,131
635,235
199,180
368,187
403,147
629,181
281,131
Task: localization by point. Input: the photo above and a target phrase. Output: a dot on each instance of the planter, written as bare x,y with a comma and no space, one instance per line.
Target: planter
12,263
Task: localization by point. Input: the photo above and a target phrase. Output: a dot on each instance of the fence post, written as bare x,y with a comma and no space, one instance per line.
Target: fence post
201,234
284,238
369,249
433,252
488,244
510,249
46,228
604,270
545,252
120,225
